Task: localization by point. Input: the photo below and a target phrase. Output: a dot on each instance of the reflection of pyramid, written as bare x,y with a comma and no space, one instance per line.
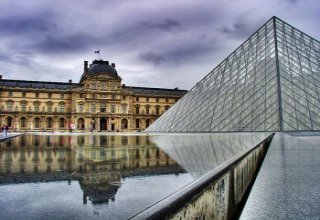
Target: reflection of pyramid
269,83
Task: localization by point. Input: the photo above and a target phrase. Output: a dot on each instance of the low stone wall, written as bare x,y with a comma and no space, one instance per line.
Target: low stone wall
217,195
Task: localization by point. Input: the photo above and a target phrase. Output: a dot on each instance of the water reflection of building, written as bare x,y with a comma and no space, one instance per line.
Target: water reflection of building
98,162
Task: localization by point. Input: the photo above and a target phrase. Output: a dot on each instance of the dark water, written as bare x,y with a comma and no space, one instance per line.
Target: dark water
103,177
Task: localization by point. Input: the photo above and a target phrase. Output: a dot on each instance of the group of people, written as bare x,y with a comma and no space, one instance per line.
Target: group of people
4,129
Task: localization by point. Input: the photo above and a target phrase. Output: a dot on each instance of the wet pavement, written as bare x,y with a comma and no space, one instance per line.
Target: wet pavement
288,184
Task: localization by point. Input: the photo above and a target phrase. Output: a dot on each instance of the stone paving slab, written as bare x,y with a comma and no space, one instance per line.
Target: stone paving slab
288,184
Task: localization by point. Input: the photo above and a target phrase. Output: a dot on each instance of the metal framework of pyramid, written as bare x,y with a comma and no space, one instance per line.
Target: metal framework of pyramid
269,83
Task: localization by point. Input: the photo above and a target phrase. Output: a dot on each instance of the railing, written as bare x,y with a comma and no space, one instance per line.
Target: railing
217,195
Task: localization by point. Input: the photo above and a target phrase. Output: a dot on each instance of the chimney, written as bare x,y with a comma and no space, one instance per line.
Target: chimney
85,66
107,62
0,77
70,81
123,85
113,65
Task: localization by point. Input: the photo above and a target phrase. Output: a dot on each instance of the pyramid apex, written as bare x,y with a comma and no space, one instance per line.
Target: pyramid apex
269,83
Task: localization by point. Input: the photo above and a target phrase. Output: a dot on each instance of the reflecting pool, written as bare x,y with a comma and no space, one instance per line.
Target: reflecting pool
104,176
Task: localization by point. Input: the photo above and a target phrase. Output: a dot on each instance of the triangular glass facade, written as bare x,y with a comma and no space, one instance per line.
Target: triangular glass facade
269,83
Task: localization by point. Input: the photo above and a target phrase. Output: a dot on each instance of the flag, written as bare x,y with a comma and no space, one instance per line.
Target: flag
97,51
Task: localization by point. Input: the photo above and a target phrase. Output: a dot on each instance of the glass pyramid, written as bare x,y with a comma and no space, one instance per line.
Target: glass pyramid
269,83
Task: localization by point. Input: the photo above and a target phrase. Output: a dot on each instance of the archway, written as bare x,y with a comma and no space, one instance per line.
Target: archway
62,123
80,124
124,124
147,123
103,124
9,121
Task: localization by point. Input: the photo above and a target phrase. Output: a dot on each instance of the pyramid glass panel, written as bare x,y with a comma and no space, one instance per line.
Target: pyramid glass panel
299,70
269,83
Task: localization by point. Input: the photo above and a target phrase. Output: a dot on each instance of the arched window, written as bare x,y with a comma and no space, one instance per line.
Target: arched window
61,123
49,122
23,122
80,124
36,123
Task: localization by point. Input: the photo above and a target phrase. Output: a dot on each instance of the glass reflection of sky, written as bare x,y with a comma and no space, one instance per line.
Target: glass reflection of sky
114,177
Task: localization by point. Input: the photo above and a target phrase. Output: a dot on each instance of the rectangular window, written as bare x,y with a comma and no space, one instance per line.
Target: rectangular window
36,95
113,108
49,108
61,108
137,99
36,108
147,99
10,106
137,123
124,109
93,107
80,108
23,107
49,95
23,94
102,107
23,122
61,96
10,93
61,123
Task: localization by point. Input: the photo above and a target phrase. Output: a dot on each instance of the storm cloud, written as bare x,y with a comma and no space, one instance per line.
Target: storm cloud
153,43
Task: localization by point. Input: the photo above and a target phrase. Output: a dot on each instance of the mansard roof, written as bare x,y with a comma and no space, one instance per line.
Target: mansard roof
8,83
156,91
36,84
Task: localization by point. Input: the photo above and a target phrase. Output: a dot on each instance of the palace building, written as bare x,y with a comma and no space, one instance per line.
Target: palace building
99,102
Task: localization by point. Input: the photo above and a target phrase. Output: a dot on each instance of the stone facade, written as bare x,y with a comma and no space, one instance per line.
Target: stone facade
99,102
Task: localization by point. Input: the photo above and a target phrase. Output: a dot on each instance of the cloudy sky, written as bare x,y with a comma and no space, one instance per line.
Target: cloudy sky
154,43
